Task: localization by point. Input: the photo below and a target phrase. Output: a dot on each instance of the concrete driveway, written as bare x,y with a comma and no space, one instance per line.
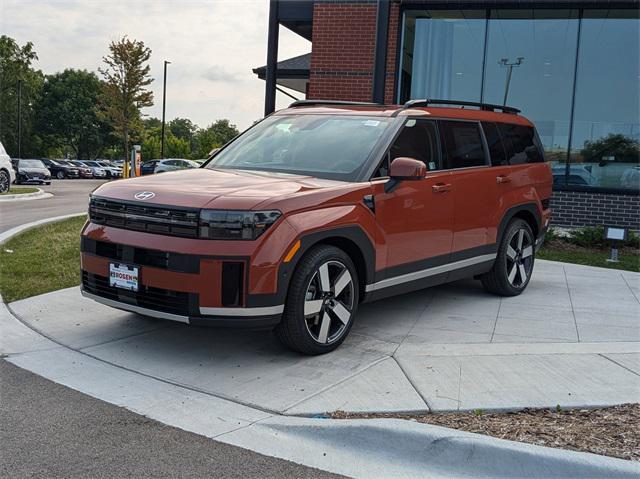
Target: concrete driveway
572,339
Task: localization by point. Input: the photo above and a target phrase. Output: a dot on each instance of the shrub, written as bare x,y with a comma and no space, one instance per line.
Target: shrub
588,237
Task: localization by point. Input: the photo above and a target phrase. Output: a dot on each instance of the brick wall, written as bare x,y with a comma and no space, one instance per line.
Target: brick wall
577,209
343,46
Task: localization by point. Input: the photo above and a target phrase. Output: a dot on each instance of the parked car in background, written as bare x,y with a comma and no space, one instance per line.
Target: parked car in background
61,170
579,175
31,171
7,173
149,167
111,171
96,171
174,164
84,171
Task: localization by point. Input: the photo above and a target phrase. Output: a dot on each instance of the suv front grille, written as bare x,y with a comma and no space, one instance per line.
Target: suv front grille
151,219
167,301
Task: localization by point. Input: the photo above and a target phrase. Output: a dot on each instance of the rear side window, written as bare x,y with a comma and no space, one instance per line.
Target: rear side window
520,143
462,144
494,142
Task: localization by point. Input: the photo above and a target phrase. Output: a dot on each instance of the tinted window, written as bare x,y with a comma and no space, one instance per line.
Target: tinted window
462,144
418,139
31,164
494,142
520,144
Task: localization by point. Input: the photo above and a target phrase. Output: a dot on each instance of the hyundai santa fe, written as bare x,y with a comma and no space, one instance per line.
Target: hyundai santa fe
320,207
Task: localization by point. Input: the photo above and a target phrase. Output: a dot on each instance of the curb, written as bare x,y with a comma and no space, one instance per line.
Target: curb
7,235
353,447
27,196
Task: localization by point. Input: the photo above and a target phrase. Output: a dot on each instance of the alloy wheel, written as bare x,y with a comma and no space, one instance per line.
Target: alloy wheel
329,302
519,258
4,182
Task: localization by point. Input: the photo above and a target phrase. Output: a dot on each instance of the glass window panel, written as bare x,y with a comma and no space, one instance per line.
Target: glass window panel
605,148
418,140
541,84
442,54
494,142
462,144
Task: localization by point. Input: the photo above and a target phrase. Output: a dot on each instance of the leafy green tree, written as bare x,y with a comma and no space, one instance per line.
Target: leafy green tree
15,66
214,136
67,117
621,147
125,93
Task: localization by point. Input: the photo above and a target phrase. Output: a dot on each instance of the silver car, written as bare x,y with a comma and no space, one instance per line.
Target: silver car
7,173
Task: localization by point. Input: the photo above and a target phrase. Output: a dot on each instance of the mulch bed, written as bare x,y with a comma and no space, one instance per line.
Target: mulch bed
611,431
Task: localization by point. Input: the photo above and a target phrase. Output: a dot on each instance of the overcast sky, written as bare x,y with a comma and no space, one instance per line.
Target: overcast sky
212,45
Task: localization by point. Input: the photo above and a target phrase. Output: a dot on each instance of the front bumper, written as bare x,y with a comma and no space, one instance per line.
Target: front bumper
189,286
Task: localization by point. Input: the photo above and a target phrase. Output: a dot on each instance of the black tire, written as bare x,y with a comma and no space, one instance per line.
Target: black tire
60,175
512,269
5,181
47,182
322,331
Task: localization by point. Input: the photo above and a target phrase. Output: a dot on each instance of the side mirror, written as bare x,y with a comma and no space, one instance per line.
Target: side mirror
404,169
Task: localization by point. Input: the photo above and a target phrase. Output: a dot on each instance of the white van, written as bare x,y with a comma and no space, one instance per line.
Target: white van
7,173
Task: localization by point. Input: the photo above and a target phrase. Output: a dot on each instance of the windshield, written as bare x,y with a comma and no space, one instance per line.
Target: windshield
325,146
31,164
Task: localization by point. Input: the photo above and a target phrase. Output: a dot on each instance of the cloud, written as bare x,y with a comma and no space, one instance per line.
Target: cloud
218,73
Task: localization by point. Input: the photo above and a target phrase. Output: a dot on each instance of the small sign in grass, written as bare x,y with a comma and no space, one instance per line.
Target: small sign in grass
40,260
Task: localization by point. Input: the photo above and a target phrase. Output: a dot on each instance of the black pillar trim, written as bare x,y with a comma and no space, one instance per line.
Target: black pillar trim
272,59
380,55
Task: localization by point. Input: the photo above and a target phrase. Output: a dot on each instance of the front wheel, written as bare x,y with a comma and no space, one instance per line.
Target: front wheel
321,303
5,181
60,175
512,269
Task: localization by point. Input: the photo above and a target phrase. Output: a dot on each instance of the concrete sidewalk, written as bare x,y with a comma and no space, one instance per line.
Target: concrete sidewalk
572,339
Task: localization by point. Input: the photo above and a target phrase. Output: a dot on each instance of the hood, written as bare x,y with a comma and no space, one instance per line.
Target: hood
218,189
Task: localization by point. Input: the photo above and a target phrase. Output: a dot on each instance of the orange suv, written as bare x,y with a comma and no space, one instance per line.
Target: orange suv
320,207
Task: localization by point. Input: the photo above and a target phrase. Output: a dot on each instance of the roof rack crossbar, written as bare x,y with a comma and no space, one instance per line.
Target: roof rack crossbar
482,106
331,102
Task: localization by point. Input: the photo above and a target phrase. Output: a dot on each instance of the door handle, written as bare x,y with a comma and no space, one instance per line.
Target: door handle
441,187
503,179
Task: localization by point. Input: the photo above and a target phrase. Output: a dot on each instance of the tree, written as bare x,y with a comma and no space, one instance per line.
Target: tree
67,117
182,128
15,66
214,136
620,147
126,75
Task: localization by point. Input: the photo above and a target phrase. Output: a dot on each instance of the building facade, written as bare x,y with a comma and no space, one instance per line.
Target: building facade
572,67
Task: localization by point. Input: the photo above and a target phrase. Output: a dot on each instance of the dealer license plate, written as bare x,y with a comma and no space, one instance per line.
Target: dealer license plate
123,276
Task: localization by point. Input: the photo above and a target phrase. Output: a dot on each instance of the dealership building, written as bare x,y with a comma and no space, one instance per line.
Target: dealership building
572,67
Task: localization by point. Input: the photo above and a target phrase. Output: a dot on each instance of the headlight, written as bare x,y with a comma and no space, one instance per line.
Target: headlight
232,225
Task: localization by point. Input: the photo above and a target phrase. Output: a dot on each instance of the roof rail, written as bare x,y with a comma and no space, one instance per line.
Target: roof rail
331,102
482,106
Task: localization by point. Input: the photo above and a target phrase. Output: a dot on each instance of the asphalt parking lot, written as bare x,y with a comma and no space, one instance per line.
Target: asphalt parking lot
69,196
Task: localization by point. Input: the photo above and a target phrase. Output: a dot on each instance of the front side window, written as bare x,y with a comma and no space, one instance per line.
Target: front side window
325,146
462,144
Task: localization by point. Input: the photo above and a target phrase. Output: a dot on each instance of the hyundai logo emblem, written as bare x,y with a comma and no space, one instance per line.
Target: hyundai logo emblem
144,195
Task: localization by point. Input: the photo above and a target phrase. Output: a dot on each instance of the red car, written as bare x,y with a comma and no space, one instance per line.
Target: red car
320,207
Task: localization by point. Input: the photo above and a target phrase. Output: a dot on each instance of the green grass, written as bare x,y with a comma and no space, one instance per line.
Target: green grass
592,257
40,260
20,191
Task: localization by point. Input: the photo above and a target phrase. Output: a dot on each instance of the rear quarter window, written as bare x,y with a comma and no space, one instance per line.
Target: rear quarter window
521,144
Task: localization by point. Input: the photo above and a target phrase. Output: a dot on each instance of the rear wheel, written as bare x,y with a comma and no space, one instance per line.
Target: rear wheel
512,269
321,303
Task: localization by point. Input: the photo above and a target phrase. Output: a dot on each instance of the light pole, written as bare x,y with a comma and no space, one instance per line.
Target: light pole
164,103
504,62
19,118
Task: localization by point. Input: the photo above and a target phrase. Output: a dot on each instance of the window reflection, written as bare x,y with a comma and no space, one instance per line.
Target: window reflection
442,54
606,128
